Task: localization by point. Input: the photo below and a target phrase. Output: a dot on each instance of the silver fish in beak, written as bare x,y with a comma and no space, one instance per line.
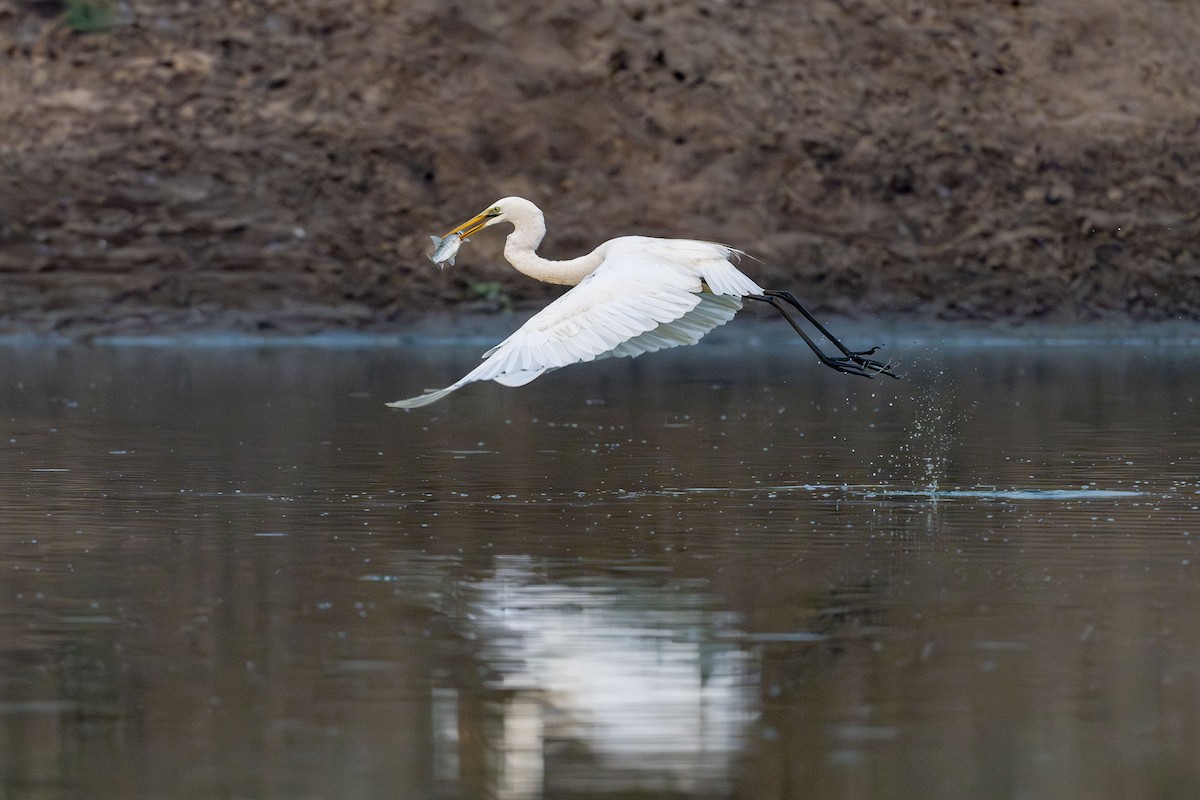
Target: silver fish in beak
446,247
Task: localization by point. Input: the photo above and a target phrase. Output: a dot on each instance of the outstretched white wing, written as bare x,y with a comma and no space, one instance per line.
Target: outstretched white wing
647,294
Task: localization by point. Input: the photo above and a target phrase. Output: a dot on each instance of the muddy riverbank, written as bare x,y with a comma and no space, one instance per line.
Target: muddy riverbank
278,166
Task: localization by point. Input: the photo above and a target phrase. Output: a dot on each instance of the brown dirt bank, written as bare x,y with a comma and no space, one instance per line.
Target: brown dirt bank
279,163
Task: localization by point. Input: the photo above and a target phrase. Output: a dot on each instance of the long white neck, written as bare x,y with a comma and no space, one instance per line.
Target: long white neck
521,251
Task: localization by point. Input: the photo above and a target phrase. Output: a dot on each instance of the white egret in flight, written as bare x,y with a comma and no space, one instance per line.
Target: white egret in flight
631,295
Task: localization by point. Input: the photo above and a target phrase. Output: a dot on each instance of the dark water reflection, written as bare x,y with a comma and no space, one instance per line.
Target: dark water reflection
231,572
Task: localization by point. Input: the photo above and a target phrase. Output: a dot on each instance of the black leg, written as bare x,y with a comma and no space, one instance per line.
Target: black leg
791,298
853,362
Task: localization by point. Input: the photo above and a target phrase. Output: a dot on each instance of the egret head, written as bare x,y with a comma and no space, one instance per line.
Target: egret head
514,210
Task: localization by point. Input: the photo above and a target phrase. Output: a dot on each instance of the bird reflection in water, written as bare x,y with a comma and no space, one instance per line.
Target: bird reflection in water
636,690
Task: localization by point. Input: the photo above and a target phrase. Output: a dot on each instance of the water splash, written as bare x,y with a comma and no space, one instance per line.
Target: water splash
923,459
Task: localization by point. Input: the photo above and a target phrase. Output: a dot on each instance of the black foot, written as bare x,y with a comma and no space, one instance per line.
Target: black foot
857,365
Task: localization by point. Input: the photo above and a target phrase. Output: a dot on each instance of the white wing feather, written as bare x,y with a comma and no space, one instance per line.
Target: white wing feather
646,295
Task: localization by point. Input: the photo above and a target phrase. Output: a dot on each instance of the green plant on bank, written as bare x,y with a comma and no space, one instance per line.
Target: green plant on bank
88,16
491,292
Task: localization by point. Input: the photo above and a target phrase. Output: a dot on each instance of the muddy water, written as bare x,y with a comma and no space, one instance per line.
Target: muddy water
229,571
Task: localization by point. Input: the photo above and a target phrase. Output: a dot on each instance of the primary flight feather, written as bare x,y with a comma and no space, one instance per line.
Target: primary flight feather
631,295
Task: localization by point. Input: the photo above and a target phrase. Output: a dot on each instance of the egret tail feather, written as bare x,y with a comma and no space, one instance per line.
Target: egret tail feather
427,398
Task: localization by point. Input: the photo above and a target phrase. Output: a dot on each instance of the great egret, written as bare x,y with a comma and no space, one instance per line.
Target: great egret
631,295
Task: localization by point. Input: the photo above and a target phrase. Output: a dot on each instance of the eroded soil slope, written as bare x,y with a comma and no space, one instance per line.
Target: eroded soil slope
278,164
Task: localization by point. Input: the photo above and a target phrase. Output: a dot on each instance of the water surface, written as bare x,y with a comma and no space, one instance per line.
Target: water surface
230,571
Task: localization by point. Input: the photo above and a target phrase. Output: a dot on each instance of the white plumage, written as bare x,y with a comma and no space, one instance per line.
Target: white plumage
631,295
